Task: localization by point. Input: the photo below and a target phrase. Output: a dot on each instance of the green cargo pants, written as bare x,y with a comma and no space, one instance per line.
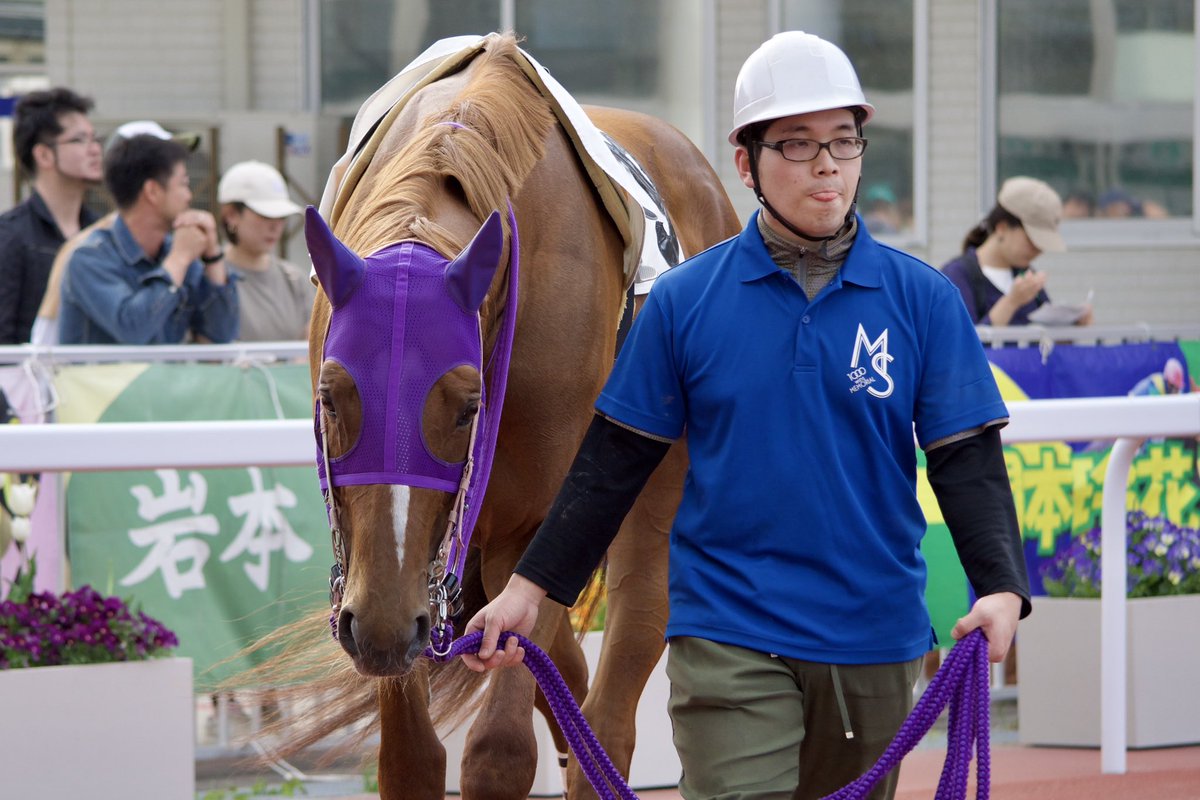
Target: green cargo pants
752,726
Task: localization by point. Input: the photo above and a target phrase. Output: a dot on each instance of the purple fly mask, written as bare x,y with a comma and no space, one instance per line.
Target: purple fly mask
401,319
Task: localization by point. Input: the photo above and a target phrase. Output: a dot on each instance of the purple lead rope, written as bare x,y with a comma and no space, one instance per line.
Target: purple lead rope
596,765
961,682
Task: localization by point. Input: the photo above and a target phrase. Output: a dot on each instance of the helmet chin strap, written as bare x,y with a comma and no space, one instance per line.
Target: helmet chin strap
762,199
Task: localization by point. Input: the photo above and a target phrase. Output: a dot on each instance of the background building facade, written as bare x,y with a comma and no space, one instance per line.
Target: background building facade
1095,96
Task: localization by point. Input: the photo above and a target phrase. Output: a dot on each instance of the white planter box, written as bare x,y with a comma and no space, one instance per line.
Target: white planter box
1058,672
104,730
655,763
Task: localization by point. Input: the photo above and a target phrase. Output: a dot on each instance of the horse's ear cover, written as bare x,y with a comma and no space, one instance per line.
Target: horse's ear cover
470,274
339,269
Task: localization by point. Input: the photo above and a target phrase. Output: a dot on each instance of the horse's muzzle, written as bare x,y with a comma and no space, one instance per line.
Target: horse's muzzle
382,659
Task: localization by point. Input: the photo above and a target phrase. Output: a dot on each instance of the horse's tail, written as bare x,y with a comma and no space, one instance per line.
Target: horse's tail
588,611
312,691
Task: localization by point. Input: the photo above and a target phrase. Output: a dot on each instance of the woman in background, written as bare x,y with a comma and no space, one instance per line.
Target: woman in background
275,296
993,273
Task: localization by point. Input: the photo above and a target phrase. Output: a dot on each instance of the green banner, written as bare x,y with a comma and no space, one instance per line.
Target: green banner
223,556
219,556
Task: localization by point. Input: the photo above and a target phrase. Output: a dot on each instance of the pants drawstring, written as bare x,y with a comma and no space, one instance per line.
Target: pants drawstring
841,700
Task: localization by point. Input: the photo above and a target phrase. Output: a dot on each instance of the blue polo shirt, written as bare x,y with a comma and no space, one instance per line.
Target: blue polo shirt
799,529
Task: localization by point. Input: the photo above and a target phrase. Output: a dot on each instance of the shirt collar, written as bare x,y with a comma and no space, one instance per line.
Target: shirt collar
128,247
37,204
861,266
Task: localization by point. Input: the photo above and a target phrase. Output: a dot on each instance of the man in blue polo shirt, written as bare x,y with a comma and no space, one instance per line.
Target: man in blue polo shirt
799,357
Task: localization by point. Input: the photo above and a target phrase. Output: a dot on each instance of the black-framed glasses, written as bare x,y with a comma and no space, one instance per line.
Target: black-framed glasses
84,139
847,148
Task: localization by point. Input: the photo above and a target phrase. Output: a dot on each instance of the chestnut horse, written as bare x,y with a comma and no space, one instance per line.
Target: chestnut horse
468,144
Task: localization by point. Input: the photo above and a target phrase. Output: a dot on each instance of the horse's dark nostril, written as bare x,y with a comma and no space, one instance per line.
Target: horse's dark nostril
420,634
346,625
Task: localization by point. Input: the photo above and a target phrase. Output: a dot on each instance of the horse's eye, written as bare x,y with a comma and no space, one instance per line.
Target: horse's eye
326,397
468,414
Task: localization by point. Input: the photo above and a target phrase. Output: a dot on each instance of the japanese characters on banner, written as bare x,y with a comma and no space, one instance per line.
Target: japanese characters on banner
1058,486
220,556
224,556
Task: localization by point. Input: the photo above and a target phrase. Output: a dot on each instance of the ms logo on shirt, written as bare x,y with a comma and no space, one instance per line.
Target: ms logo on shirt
877,351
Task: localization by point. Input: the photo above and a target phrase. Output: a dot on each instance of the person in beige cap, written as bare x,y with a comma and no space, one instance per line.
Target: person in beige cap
993,273
276,296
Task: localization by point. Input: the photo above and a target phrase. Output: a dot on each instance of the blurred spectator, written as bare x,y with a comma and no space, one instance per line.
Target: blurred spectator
275,296
45,327
1154,210
993,274
1118,202
158,274
58,150
1079,204
881,212
1169,381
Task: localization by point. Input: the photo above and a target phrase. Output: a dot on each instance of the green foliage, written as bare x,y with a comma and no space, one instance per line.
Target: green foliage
292,787
371,779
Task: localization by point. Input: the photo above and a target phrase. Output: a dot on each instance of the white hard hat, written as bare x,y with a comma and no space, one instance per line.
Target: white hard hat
260,187
794,73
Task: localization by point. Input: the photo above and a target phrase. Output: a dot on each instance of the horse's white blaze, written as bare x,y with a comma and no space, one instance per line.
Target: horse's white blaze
399,521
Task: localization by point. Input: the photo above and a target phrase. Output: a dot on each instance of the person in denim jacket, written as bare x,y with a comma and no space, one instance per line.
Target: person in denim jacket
158,275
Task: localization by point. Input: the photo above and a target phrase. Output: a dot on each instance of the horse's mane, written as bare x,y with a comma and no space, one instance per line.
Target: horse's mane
503,119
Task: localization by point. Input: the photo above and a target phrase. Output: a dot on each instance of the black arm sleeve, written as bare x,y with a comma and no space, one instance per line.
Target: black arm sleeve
972,488
612,466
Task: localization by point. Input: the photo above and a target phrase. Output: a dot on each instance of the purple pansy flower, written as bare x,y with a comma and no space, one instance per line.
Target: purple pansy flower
1162,558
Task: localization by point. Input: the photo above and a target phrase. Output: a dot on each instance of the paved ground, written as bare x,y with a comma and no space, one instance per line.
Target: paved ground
1018,773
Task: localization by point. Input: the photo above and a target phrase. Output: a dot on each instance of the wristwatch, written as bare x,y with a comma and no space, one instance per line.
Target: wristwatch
213,258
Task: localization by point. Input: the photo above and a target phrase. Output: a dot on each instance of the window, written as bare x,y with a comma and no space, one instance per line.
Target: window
1096,98
366,42
22,36
639,54
881,42
608,49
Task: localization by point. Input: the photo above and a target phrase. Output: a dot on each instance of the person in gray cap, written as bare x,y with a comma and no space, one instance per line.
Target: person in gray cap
799,356
994,273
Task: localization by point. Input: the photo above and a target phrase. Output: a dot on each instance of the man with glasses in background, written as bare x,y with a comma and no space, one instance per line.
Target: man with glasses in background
57,148
797,356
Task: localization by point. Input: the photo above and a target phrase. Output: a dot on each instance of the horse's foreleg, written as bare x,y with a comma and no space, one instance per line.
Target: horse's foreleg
412,761
568,659
500,755
635,620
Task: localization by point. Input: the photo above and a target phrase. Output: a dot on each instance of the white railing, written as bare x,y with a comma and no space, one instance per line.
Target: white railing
1128,420
101,353
1048,336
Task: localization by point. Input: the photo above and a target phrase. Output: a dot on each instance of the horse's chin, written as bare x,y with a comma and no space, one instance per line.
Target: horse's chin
387,664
